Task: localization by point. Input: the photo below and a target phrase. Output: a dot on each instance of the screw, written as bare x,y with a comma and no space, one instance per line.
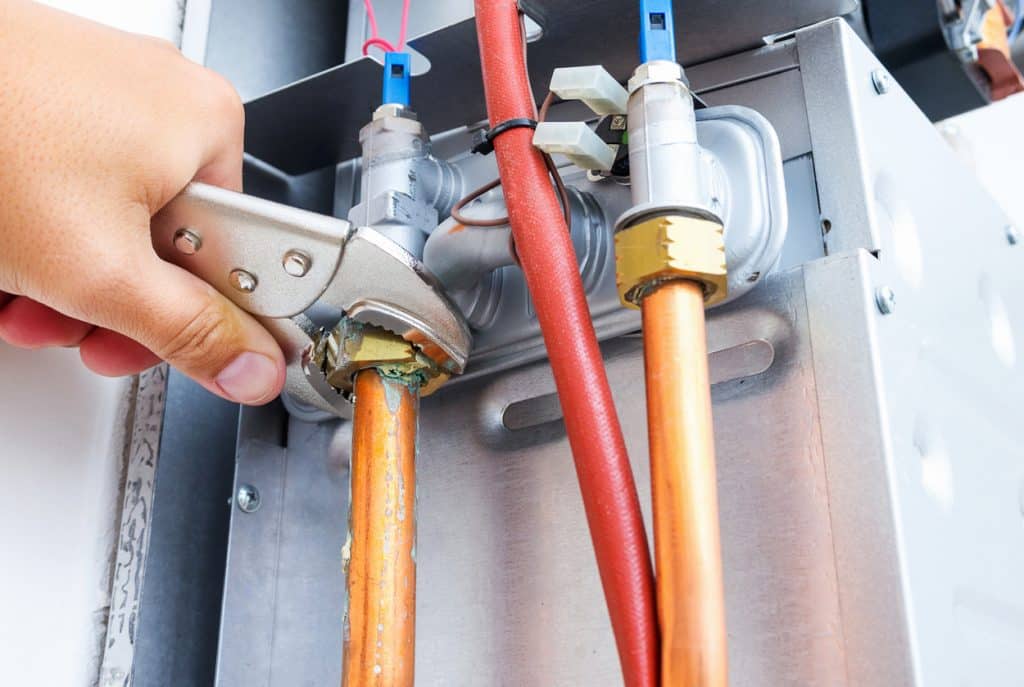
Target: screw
243,281
618,123
248,498
115,676
187,241
968,53
1012,235
885,299
881,81
296,263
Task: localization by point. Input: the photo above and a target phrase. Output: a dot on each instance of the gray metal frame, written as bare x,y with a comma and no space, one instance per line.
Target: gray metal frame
869,469
289,127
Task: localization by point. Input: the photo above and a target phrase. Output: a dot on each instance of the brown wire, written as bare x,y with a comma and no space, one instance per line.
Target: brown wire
542,114
563,193
473,195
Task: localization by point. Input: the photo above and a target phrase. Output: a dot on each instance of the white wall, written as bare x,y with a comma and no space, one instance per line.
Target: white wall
61,445
59,482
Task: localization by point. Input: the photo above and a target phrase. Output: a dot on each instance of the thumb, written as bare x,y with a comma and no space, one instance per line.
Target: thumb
188,323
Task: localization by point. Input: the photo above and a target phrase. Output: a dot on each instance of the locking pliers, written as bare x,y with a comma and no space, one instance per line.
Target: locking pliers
303,275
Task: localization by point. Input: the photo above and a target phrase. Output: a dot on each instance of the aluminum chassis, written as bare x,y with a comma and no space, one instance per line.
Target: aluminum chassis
869,477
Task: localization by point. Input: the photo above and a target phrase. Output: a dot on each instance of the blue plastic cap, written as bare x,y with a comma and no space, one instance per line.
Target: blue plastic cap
657,35
396,78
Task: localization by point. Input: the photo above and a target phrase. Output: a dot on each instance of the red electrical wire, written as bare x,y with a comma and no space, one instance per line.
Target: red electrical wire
380,43
405,25
549,265
375,39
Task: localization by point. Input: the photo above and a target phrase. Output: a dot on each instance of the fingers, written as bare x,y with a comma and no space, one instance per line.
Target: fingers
222,160
28,324
115,355
189,324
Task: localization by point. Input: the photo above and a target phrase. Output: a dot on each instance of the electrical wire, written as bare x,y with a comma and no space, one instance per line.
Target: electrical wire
375,39
404,26
556,177
378,42
456,211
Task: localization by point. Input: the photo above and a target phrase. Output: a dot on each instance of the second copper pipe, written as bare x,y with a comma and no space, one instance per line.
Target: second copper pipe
688,561
380,625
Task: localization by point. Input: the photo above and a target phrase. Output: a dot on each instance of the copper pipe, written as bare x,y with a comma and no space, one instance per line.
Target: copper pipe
687,549
381,569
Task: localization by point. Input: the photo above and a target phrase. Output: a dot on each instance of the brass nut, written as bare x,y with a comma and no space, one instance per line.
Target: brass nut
667,248
352,346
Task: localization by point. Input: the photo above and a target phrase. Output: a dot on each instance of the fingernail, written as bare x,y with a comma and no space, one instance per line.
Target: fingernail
249,378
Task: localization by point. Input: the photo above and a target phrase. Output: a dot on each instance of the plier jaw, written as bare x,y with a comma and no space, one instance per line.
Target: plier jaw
278,262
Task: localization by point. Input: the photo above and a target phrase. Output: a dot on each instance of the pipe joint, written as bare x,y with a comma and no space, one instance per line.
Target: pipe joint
352,347
669,248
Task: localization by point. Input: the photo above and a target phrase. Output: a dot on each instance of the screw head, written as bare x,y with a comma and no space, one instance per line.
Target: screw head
968,53
618,123
885,299
881,80
114,677
1013,236
187,241
248,498
242,281
296,263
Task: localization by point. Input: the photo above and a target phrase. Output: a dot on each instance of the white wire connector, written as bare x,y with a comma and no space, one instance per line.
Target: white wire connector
593,85
576,141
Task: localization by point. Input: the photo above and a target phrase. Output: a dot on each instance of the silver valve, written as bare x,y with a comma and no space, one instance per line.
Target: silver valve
301,273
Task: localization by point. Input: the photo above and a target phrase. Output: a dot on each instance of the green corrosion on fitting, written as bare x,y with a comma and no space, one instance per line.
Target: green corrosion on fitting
351,346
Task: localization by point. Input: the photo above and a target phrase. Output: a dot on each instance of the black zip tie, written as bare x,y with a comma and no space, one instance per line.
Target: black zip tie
485,144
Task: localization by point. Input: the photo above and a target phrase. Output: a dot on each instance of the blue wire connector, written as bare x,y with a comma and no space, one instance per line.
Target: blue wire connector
396,78
657,36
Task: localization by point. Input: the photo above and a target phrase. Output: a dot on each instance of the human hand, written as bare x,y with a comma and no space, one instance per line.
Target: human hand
99,129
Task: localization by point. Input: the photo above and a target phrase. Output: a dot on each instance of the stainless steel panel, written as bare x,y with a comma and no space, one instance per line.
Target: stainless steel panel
779,98
804,241
744,66
943,372
508,592
260,45
837,133
861,499
283,601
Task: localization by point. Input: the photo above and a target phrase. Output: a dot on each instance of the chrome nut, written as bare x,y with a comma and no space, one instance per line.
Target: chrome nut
658,71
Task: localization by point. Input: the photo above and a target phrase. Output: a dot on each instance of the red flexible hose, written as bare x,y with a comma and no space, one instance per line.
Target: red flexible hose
549,264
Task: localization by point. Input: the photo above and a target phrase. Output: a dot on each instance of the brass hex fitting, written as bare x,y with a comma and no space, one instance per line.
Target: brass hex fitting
353,346
667,248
